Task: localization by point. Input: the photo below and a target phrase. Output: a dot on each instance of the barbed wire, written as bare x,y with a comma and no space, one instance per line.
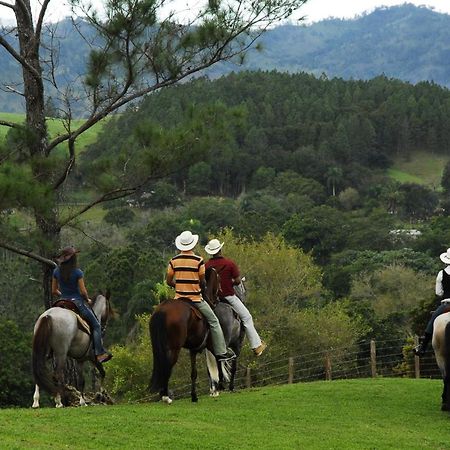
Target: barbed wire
387,359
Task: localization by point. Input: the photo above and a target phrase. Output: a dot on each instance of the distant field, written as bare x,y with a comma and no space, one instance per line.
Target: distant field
56,127
382,413
421,168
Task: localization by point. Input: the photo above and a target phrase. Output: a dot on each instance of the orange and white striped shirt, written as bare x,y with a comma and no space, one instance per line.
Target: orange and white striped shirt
187,268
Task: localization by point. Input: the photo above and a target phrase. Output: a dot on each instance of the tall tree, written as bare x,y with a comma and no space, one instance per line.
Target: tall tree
137,51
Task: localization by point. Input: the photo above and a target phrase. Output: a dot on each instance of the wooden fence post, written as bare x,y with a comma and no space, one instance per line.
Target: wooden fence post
290,370
416,358
327,367
373,358
248,378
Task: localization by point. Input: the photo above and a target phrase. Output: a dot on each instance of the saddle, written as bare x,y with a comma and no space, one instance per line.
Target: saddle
196,312
81,323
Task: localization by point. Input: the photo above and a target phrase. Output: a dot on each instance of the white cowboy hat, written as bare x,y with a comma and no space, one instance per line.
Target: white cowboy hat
213,246
445,257
186,241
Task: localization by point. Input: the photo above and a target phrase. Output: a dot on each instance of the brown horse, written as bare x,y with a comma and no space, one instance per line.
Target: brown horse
177,324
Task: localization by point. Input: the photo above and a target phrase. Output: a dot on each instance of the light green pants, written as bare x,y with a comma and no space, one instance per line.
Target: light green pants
220,348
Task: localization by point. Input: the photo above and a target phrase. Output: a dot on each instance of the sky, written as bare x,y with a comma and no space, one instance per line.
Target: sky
314,10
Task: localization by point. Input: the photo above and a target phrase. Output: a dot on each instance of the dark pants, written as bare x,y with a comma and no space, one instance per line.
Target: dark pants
87,314
439,310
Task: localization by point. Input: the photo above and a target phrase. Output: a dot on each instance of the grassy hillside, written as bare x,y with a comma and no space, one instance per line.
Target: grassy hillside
56,127
350,414
421,168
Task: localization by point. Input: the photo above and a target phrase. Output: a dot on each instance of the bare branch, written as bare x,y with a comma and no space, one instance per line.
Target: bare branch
10,124
19,58
27,253
69,166
40,21
8,5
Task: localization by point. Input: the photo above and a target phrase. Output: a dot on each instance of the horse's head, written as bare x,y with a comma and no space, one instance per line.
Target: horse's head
102,308
212,285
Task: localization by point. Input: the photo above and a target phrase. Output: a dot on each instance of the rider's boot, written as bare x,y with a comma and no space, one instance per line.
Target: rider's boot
423,344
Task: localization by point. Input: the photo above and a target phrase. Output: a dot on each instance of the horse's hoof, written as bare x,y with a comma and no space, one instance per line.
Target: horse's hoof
166,399
195,400
60,405
35,406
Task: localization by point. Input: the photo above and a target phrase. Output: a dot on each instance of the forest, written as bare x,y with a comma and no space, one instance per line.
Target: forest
292,172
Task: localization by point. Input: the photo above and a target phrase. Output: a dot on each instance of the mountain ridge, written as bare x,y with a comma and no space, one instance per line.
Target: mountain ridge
411,43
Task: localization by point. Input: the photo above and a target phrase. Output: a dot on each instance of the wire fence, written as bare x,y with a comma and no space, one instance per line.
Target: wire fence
388,358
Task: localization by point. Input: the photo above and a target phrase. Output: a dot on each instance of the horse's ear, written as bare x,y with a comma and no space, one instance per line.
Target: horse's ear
108,293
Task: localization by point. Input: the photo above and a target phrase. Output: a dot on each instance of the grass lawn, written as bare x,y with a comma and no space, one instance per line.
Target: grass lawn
421,168
349,414
56,127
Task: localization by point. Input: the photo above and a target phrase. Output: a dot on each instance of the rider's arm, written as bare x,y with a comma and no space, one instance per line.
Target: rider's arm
439,287
170,275
83,290
55,291
235,275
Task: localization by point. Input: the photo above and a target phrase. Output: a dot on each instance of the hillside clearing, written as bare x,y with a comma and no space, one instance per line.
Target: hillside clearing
421,168
349,414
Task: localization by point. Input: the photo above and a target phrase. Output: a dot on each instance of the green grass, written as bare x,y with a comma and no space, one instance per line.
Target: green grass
352,414
421,167
56,127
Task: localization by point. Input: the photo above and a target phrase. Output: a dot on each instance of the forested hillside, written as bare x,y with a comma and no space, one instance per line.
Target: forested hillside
405,42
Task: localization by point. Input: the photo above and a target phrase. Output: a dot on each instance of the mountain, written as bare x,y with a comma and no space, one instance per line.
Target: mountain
405,42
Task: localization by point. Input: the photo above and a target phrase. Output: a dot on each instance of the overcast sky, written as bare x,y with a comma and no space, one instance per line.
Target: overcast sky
315,10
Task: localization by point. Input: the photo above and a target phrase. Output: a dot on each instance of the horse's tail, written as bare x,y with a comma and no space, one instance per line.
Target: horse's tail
211,363
41,348
447,351
162,368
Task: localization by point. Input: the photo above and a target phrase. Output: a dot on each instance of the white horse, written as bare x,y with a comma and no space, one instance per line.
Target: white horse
58,334
441,346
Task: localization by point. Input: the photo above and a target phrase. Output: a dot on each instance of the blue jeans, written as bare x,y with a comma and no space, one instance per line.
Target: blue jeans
87,314
439,310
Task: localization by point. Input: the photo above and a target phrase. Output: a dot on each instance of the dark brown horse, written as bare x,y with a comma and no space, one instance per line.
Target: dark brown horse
174,325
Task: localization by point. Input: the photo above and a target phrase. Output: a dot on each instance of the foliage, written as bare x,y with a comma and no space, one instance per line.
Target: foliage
15,357
119,216
129,370
393,292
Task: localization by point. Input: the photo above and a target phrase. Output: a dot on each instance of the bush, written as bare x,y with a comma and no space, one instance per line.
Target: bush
15,365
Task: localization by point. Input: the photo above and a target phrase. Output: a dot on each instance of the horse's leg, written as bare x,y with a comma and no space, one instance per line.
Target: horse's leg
232,374
194,397
81,384
164,392
60,362
36,397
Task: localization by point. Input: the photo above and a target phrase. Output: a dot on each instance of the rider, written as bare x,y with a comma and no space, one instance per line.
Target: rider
68,284
188,270
443,292
229,276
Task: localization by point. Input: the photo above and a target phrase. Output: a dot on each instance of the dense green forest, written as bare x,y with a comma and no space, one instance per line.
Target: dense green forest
291,171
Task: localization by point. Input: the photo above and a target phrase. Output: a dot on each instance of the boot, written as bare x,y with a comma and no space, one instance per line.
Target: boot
423,344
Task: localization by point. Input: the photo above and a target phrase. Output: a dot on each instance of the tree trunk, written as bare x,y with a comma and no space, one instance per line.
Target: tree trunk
36,139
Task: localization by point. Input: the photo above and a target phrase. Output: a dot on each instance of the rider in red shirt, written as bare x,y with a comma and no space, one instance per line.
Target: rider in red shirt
229,276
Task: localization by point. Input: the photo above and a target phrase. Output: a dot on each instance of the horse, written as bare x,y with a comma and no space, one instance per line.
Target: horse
59,333
177,324
234,333
441,347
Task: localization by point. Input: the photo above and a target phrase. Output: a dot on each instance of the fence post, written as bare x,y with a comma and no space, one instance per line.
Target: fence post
373,358
290,370
248,378
416,358
327,367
